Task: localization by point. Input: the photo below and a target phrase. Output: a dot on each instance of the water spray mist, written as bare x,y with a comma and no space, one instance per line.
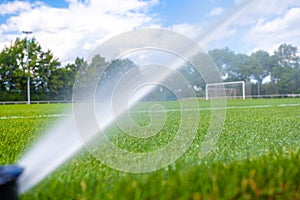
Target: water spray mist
63,141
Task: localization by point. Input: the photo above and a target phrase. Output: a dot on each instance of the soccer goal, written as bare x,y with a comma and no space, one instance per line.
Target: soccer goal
233,90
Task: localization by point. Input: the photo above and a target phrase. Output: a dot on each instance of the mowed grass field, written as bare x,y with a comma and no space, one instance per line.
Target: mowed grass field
257,155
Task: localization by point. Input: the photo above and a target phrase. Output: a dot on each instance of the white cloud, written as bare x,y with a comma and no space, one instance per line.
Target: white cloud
78,29
216,11
288,22
204,33
84,24
266,9
269,34
14,7
251,25
189,30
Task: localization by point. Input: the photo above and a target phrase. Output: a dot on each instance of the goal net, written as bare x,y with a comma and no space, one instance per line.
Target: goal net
232,90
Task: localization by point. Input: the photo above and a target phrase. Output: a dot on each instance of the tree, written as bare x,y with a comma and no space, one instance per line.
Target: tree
100,76
194,79
14,70
283,67
112,74
265,62
286,73
62,80
287,55
223,58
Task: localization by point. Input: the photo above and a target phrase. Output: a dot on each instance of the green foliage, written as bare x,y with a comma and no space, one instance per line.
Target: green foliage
62,80
283,68
14,70
111,73
256,157
50,81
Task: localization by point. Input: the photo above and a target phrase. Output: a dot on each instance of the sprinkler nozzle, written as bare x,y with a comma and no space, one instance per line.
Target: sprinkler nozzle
8,184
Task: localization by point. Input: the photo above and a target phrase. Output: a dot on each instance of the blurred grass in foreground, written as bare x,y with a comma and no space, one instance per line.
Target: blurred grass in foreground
256,157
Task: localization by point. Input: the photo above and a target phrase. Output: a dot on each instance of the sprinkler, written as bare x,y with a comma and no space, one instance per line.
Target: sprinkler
8,184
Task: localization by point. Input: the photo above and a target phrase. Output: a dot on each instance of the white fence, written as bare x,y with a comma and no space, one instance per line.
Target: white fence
35,102
268,96
271,96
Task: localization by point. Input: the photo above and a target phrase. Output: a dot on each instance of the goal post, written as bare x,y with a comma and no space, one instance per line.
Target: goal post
230,90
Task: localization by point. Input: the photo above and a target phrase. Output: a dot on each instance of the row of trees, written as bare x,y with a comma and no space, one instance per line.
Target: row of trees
51,81
275,74
48,79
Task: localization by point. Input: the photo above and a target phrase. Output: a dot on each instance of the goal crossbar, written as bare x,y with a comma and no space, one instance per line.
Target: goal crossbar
226,83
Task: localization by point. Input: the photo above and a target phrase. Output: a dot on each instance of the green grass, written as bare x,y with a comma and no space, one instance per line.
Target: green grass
256,157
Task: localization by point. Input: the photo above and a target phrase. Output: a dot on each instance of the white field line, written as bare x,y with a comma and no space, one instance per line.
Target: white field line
145,111
34,116
227,107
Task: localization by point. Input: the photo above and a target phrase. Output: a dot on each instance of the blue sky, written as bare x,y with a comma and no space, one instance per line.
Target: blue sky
71,28
191,11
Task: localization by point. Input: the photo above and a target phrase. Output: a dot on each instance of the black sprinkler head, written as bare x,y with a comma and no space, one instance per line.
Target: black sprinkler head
8,182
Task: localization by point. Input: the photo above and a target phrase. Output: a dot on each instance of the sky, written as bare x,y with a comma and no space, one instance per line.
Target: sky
74,28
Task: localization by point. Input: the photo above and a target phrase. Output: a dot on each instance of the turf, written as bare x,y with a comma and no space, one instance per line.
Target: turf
256,157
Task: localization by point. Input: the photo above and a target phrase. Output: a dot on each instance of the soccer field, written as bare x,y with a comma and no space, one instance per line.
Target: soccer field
257,155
